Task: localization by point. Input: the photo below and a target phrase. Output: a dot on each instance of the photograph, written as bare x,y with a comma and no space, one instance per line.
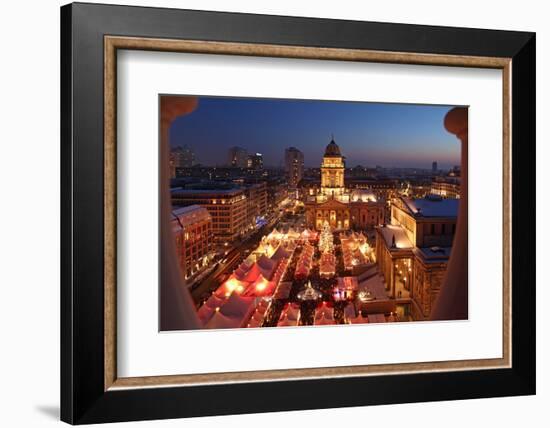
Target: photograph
278,214
298,212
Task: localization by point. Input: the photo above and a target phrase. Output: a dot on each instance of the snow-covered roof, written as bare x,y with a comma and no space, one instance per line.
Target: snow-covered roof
292,312
266,263
191,214
255,272
261,287
219,320
281,253
359,319
205,312
214,301
324,311
432,207
324,321
434,254
286,322
238,307
401,240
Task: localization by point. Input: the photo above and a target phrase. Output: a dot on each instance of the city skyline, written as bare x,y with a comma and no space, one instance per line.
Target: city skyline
331,245
370,134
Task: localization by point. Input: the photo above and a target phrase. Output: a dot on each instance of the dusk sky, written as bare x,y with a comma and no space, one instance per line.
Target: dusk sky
369,134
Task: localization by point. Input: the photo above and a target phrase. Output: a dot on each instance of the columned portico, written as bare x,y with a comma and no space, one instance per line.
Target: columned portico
336,214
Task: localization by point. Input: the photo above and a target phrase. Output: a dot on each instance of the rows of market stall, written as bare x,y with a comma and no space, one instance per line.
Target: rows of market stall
291,279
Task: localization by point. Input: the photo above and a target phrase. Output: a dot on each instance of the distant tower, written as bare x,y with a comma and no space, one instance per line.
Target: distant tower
434,167
256,161
237,157
294,165
181,157
332,170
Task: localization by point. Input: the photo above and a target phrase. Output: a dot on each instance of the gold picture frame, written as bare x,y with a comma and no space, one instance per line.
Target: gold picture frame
114,43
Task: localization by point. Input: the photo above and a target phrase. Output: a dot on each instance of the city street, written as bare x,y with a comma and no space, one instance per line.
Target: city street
236,255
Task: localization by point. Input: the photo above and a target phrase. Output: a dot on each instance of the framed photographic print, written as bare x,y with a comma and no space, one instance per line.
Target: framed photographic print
272,213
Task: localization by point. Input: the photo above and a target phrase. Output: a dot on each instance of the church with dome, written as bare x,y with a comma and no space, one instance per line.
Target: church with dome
340,207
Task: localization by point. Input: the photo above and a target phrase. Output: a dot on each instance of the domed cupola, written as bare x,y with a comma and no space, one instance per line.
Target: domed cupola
332,149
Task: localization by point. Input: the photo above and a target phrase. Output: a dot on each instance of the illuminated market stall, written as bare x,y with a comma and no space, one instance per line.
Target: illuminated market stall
356,250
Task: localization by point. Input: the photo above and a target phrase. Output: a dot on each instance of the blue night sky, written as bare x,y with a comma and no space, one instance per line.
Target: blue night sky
369,134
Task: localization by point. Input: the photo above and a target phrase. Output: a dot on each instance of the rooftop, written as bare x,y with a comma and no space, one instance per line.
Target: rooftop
190,215
434,254
390,231
432,207
332,149
182,191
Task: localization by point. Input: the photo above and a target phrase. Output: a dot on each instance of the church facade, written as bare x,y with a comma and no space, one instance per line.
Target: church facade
337,205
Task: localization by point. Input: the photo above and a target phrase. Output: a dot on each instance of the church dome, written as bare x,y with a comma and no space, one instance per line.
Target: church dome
332,149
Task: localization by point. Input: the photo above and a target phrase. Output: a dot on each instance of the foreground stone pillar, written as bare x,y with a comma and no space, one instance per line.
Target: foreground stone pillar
177,309
452,302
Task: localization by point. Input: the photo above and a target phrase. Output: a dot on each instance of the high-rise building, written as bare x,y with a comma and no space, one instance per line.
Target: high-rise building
294,162
183,157
434,167
237,157
255,161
